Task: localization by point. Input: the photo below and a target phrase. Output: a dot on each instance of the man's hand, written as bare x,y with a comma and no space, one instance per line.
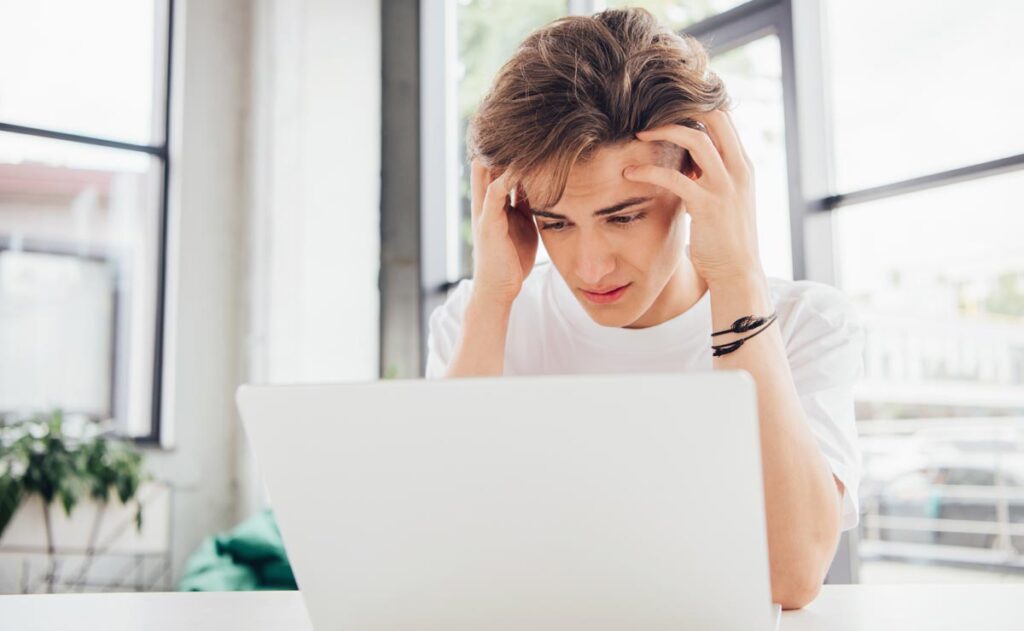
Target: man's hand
719,197
504,249
504,238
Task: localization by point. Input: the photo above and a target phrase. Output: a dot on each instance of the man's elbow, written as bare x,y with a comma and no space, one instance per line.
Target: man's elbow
798,584
795,593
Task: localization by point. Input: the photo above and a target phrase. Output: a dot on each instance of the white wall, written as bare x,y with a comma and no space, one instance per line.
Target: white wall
210,84
277,233
315,191
314,198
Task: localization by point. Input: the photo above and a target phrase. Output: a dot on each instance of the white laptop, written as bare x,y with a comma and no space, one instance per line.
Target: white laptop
621,502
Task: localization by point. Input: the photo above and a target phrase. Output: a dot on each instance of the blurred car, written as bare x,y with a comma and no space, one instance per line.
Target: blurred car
920,493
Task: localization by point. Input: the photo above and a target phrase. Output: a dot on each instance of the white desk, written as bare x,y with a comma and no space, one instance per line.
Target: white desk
996,607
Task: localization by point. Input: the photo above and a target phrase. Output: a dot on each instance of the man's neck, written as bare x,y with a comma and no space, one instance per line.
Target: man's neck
683,290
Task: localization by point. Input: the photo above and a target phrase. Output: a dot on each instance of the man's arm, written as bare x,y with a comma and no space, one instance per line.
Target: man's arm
505,242
802,502
802,497
480,351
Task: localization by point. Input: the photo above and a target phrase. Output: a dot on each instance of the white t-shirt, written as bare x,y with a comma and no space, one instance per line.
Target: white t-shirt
549,332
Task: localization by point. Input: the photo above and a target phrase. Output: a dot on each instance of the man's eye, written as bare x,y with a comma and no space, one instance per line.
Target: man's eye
554,225
624,219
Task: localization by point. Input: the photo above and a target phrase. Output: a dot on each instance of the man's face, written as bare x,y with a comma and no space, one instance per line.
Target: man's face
615,242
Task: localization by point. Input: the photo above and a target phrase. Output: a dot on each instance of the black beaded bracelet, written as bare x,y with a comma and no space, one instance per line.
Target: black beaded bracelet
725,349
746,323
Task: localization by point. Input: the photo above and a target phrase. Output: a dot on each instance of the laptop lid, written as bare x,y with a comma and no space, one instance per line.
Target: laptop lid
560,502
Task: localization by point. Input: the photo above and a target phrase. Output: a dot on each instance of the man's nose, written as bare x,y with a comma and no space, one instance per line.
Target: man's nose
594,260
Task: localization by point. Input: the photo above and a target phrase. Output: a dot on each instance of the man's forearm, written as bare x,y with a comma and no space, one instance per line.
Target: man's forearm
801,496
480,351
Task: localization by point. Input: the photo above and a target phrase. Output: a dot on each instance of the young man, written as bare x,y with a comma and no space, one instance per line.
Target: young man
599,135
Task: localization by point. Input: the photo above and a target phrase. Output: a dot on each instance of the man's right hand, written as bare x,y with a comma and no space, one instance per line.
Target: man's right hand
504,238
504,248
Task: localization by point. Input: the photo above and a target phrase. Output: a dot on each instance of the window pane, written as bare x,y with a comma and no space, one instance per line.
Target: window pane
678,14
56,333
78,263
941,405
94,68
753,77
923,86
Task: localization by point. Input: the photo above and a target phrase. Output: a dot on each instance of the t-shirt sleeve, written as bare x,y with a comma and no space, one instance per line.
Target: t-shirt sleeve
825,350
444,326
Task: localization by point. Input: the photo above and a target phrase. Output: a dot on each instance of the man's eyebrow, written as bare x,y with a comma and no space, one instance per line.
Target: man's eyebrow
610,210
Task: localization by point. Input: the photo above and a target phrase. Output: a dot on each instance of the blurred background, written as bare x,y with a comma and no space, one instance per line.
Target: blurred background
197,194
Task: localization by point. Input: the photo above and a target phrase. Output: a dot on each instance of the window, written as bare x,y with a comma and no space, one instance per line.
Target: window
933,260
753,76
678,14
952,69
944,349
83,167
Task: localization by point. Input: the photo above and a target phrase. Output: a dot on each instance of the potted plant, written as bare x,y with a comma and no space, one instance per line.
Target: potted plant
65,460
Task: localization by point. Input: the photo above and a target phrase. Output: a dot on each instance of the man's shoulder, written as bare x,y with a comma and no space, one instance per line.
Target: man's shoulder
803,299
819,323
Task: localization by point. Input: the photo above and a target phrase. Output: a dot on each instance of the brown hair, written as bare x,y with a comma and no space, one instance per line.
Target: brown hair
583,82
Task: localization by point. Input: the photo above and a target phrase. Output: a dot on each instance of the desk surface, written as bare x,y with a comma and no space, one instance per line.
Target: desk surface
995,607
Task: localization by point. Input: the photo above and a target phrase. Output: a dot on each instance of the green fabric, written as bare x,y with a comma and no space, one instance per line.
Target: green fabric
249,557
277,573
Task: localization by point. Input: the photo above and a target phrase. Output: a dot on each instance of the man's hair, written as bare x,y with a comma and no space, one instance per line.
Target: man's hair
581,83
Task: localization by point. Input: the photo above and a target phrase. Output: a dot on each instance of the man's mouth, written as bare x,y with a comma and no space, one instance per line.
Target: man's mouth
603,296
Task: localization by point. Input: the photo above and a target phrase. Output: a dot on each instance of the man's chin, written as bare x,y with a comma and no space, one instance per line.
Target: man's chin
611,316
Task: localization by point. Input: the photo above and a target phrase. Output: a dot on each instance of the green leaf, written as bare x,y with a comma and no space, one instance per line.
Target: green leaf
10,499
65,468
68,494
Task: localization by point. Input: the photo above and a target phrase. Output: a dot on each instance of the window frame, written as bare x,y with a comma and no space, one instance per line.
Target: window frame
161,152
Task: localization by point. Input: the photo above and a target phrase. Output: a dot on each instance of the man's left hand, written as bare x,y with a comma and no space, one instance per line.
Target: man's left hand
719,196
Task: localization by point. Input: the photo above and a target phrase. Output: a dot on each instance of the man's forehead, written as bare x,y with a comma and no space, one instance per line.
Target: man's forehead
599,177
